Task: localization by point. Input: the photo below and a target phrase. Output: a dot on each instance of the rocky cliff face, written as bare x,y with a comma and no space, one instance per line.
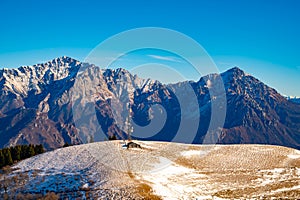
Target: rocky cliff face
34,103
65,100
256,113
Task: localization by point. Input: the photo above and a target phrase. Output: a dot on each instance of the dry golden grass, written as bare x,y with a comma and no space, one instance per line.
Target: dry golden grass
251,157
130,174
242,169
146,192
253,191
185,162
293,163
291,194
143,189
239,178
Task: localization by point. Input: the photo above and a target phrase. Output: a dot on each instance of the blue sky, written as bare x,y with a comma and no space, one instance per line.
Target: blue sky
261,37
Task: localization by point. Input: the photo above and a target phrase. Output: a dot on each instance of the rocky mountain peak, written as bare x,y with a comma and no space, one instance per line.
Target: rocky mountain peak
236,70
35,105
234,73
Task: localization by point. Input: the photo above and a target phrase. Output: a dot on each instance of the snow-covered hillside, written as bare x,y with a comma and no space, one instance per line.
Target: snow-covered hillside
160,170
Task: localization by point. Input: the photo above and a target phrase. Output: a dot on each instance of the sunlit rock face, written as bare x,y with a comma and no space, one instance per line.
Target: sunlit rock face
37,105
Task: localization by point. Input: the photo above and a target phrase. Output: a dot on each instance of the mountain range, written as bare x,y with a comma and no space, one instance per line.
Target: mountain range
67,101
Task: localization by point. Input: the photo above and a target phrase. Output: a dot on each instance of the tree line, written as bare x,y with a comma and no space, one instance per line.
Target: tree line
14,154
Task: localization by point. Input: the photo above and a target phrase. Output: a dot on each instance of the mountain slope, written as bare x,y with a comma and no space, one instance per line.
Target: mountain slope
65,100
256,113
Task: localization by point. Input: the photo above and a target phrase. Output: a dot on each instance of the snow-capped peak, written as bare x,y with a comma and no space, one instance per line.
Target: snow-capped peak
26,78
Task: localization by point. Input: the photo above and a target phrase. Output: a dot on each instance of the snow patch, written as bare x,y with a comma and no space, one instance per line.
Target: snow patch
295,155
193,153
173,181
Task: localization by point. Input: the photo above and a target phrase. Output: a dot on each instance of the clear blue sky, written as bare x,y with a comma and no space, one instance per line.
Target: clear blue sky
260,36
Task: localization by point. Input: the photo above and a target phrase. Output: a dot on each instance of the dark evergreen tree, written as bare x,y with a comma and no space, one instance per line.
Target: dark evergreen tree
16,153
66,145
19,152
7,156
24,152
38,149
112,137
2,159
31,151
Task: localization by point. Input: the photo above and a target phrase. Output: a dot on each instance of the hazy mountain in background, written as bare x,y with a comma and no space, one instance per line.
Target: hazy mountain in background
294,99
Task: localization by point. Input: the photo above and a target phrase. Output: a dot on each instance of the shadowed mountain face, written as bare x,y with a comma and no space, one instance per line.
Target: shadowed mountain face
256,113
65,100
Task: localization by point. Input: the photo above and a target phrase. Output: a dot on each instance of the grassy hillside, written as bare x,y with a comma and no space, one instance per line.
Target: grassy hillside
159,170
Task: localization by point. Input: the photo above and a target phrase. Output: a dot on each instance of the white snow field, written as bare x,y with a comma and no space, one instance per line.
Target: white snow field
160,170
